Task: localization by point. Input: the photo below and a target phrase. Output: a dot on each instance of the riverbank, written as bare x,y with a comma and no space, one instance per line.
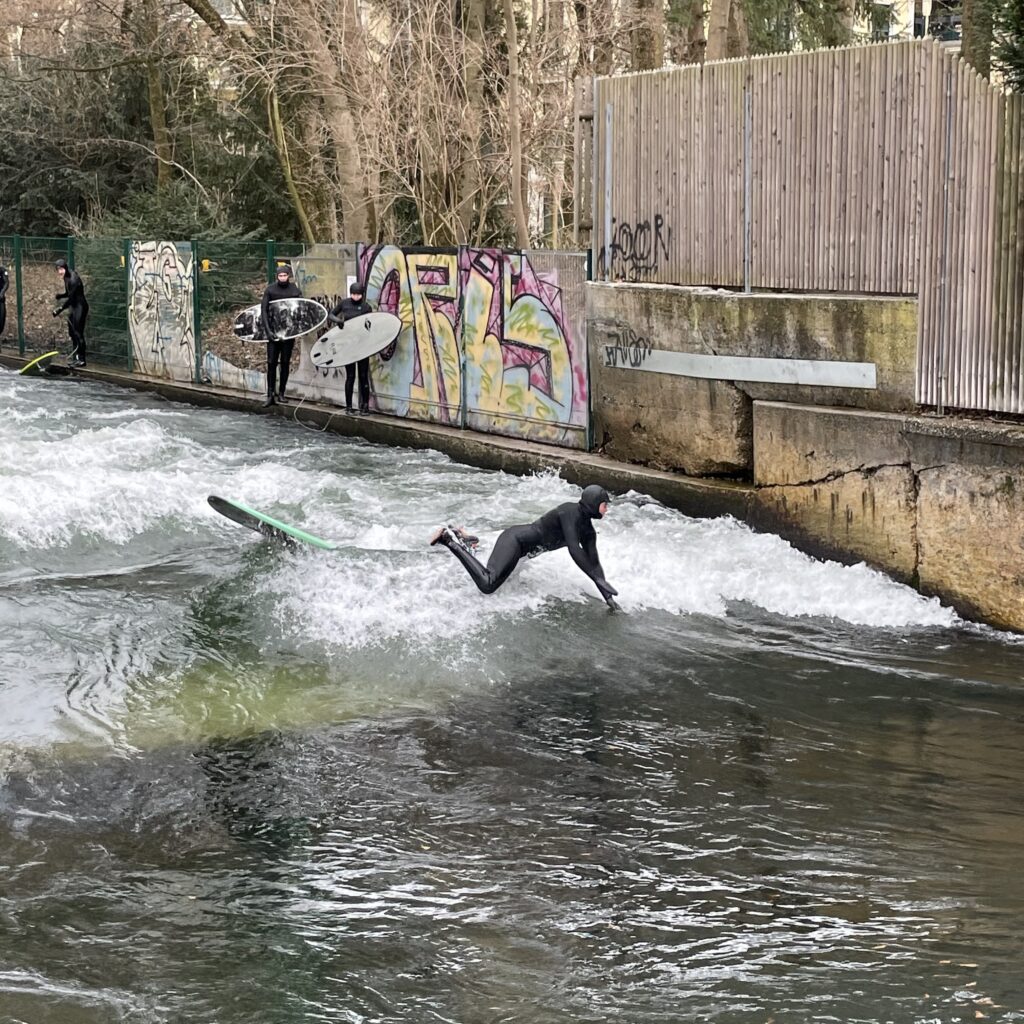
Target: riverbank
930,501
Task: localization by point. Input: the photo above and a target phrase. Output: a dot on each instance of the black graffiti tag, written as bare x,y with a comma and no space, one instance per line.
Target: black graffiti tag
635,250
629,350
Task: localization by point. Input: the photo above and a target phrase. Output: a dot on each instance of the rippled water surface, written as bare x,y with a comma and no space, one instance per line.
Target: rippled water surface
244,783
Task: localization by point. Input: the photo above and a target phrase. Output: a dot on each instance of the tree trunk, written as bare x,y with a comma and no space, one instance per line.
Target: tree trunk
976,47
647,35
686,31
718,29
515,130
157,103
473,91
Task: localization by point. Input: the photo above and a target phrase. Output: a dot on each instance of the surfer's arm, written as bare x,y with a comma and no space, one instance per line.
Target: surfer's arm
584,558
335,316
265,317
5,281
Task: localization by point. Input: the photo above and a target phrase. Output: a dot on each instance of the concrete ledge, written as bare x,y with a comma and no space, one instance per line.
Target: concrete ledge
938,503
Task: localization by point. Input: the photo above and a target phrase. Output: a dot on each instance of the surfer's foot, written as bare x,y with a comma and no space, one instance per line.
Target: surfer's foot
364,410
467,538
269,400
441,536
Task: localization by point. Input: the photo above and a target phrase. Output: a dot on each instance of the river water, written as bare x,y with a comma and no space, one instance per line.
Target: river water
244,783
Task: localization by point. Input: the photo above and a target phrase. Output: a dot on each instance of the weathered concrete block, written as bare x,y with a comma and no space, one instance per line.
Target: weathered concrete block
869,329
859,516
971,551
836,483
698,427
796,444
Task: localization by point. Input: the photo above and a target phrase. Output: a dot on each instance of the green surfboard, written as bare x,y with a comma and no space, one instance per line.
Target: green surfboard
38,364
267,525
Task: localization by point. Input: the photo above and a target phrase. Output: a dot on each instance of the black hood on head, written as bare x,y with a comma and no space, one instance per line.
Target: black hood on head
591,499
61,264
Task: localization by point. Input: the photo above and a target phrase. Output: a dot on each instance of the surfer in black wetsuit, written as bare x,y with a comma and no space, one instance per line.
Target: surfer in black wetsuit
78,311
567,526
279,350
347,309
5,281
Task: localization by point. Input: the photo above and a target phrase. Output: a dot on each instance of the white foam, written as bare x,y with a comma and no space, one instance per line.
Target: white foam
119,476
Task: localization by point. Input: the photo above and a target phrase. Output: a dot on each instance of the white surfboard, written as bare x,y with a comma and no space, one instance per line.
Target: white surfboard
290,318
362,336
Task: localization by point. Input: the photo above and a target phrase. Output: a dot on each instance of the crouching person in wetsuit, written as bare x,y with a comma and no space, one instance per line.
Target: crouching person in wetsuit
78,310
567,526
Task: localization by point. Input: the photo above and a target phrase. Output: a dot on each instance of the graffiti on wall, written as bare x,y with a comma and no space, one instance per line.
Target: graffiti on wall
160,310
484,333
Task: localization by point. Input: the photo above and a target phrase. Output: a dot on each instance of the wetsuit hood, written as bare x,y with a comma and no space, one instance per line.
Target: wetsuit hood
592,498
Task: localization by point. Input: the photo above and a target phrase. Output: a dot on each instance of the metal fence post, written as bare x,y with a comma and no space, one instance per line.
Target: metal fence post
18,259
748,128
463,383
607,240
126,262
197,333
943,280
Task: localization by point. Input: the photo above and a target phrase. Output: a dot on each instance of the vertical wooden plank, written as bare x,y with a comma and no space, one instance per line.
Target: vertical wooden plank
1017,252
985,326
837,169
930,171
998,380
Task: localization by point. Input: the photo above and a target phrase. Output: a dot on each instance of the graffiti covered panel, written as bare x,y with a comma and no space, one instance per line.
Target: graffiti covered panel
161,311
490,340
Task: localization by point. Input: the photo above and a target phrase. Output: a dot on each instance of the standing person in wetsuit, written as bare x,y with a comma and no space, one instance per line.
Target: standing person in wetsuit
355,305
5,281
78,310
566,526
279,350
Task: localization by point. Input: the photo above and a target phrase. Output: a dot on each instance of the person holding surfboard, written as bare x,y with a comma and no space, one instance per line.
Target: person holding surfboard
355,305
279,351
570,525
78,310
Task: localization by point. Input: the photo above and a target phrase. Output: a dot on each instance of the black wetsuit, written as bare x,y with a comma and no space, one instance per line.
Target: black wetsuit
347,309
567,526
78,312
278,350
5,281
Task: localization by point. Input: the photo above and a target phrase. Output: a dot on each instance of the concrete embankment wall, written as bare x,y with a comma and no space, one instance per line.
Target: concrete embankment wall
856,473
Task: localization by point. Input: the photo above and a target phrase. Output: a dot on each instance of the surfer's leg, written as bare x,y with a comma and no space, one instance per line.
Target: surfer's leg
364,384
350,383
77,339
3,316
504,558
286,365
273,356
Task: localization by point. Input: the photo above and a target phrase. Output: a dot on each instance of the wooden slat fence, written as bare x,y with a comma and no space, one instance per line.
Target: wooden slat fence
890,169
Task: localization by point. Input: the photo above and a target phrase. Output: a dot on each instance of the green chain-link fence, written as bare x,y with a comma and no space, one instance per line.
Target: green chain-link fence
491,340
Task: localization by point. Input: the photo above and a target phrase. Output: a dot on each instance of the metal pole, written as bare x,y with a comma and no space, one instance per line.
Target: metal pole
748,127
463,386
197,333
607,190
943,283
18,257
126,260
